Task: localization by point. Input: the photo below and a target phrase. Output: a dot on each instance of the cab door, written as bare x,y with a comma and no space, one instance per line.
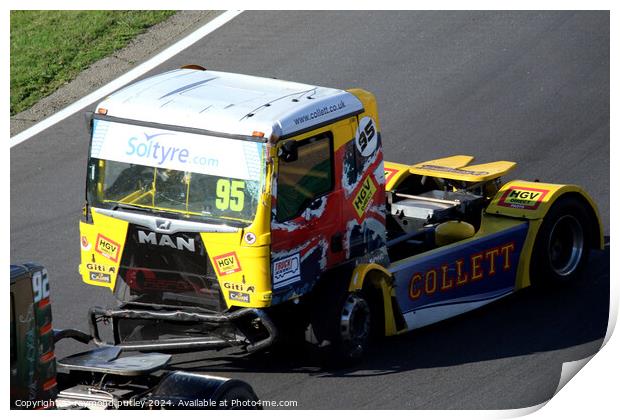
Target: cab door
306,216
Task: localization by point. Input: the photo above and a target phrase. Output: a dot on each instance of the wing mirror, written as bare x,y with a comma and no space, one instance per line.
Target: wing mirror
288,151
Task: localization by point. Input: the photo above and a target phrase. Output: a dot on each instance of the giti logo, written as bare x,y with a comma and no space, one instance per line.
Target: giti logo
239,287
364,196
226,264
100,267
523,198
107,247
165,240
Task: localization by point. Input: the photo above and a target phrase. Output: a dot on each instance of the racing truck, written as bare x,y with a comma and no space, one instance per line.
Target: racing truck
100,378
232,210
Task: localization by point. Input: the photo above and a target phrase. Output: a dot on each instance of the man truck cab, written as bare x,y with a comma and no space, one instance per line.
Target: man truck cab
210,192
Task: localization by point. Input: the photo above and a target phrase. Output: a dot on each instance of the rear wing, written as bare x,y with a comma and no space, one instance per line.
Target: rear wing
453,168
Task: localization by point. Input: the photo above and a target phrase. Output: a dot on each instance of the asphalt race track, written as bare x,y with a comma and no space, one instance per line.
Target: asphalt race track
527,87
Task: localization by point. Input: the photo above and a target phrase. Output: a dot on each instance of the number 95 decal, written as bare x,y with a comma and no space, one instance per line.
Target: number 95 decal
366,136
230,194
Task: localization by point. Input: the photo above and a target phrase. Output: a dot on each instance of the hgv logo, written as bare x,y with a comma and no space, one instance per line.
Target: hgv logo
524,195
364,196
522,198
227,264
107,247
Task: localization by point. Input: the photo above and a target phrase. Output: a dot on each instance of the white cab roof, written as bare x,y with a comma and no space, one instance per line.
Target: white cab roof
230,103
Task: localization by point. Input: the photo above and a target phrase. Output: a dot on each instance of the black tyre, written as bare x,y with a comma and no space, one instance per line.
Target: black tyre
178,389
340,326
563,243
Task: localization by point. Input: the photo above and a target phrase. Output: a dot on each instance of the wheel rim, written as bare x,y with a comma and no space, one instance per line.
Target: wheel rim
355,324
565,246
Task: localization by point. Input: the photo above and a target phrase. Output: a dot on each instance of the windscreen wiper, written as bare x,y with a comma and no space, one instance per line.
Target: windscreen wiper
126,206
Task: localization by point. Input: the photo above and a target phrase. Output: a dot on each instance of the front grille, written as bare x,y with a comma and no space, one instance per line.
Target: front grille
167,269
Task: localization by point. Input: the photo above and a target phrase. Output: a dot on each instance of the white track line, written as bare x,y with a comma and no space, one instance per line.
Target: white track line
127,77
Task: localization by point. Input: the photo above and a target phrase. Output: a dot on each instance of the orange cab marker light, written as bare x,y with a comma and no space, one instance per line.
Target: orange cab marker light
258,134
102,111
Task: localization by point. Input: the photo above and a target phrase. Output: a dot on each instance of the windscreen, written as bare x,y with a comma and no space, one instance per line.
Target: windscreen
174,174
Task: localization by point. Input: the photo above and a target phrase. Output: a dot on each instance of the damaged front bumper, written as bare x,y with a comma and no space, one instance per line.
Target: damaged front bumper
248,328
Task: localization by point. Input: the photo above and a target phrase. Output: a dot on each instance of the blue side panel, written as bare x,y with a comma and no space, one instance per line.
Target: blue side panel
477,271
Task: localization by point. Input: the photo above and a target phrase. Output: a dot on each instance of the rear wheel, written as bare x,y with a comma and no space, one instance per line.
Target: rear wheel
562,245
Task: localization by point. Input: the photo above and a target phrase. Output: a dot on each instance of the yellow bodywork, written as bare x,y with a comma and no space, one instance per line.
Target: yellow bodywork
394,174
102,244
240,268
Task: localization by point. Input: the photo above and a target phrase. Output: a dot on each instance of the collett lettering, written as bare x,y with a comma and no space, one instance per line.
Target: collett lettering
477,267
490,255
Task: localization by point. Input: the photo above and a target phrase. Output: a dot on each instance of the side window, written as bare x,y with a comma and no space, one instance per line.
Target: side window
307,178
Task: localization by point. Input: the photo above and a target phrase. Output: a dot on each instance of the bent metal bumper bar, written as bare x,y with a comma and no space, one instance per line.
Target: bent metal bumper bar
185,343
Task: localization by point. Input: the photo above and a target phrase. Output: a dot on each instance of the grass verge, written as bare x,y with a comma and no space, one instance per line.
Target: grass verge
50,48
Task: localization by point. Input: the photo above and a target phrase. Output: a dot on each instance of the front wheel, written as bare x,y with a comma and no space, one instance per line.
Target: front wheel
562,245
355,322
340,327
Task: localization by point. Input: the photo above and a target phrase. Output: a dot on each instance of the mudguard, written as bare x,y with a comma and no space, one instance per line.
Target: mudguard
532,201
377,276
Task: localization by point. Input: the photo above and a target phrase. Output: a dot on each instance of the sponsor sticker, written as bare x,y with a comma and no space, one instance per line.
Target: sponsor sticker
389,173
239,296
366,137
238,287
107,247
227,264
286,268
84,244
181,151
522,198
100,267
364,196
100,277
